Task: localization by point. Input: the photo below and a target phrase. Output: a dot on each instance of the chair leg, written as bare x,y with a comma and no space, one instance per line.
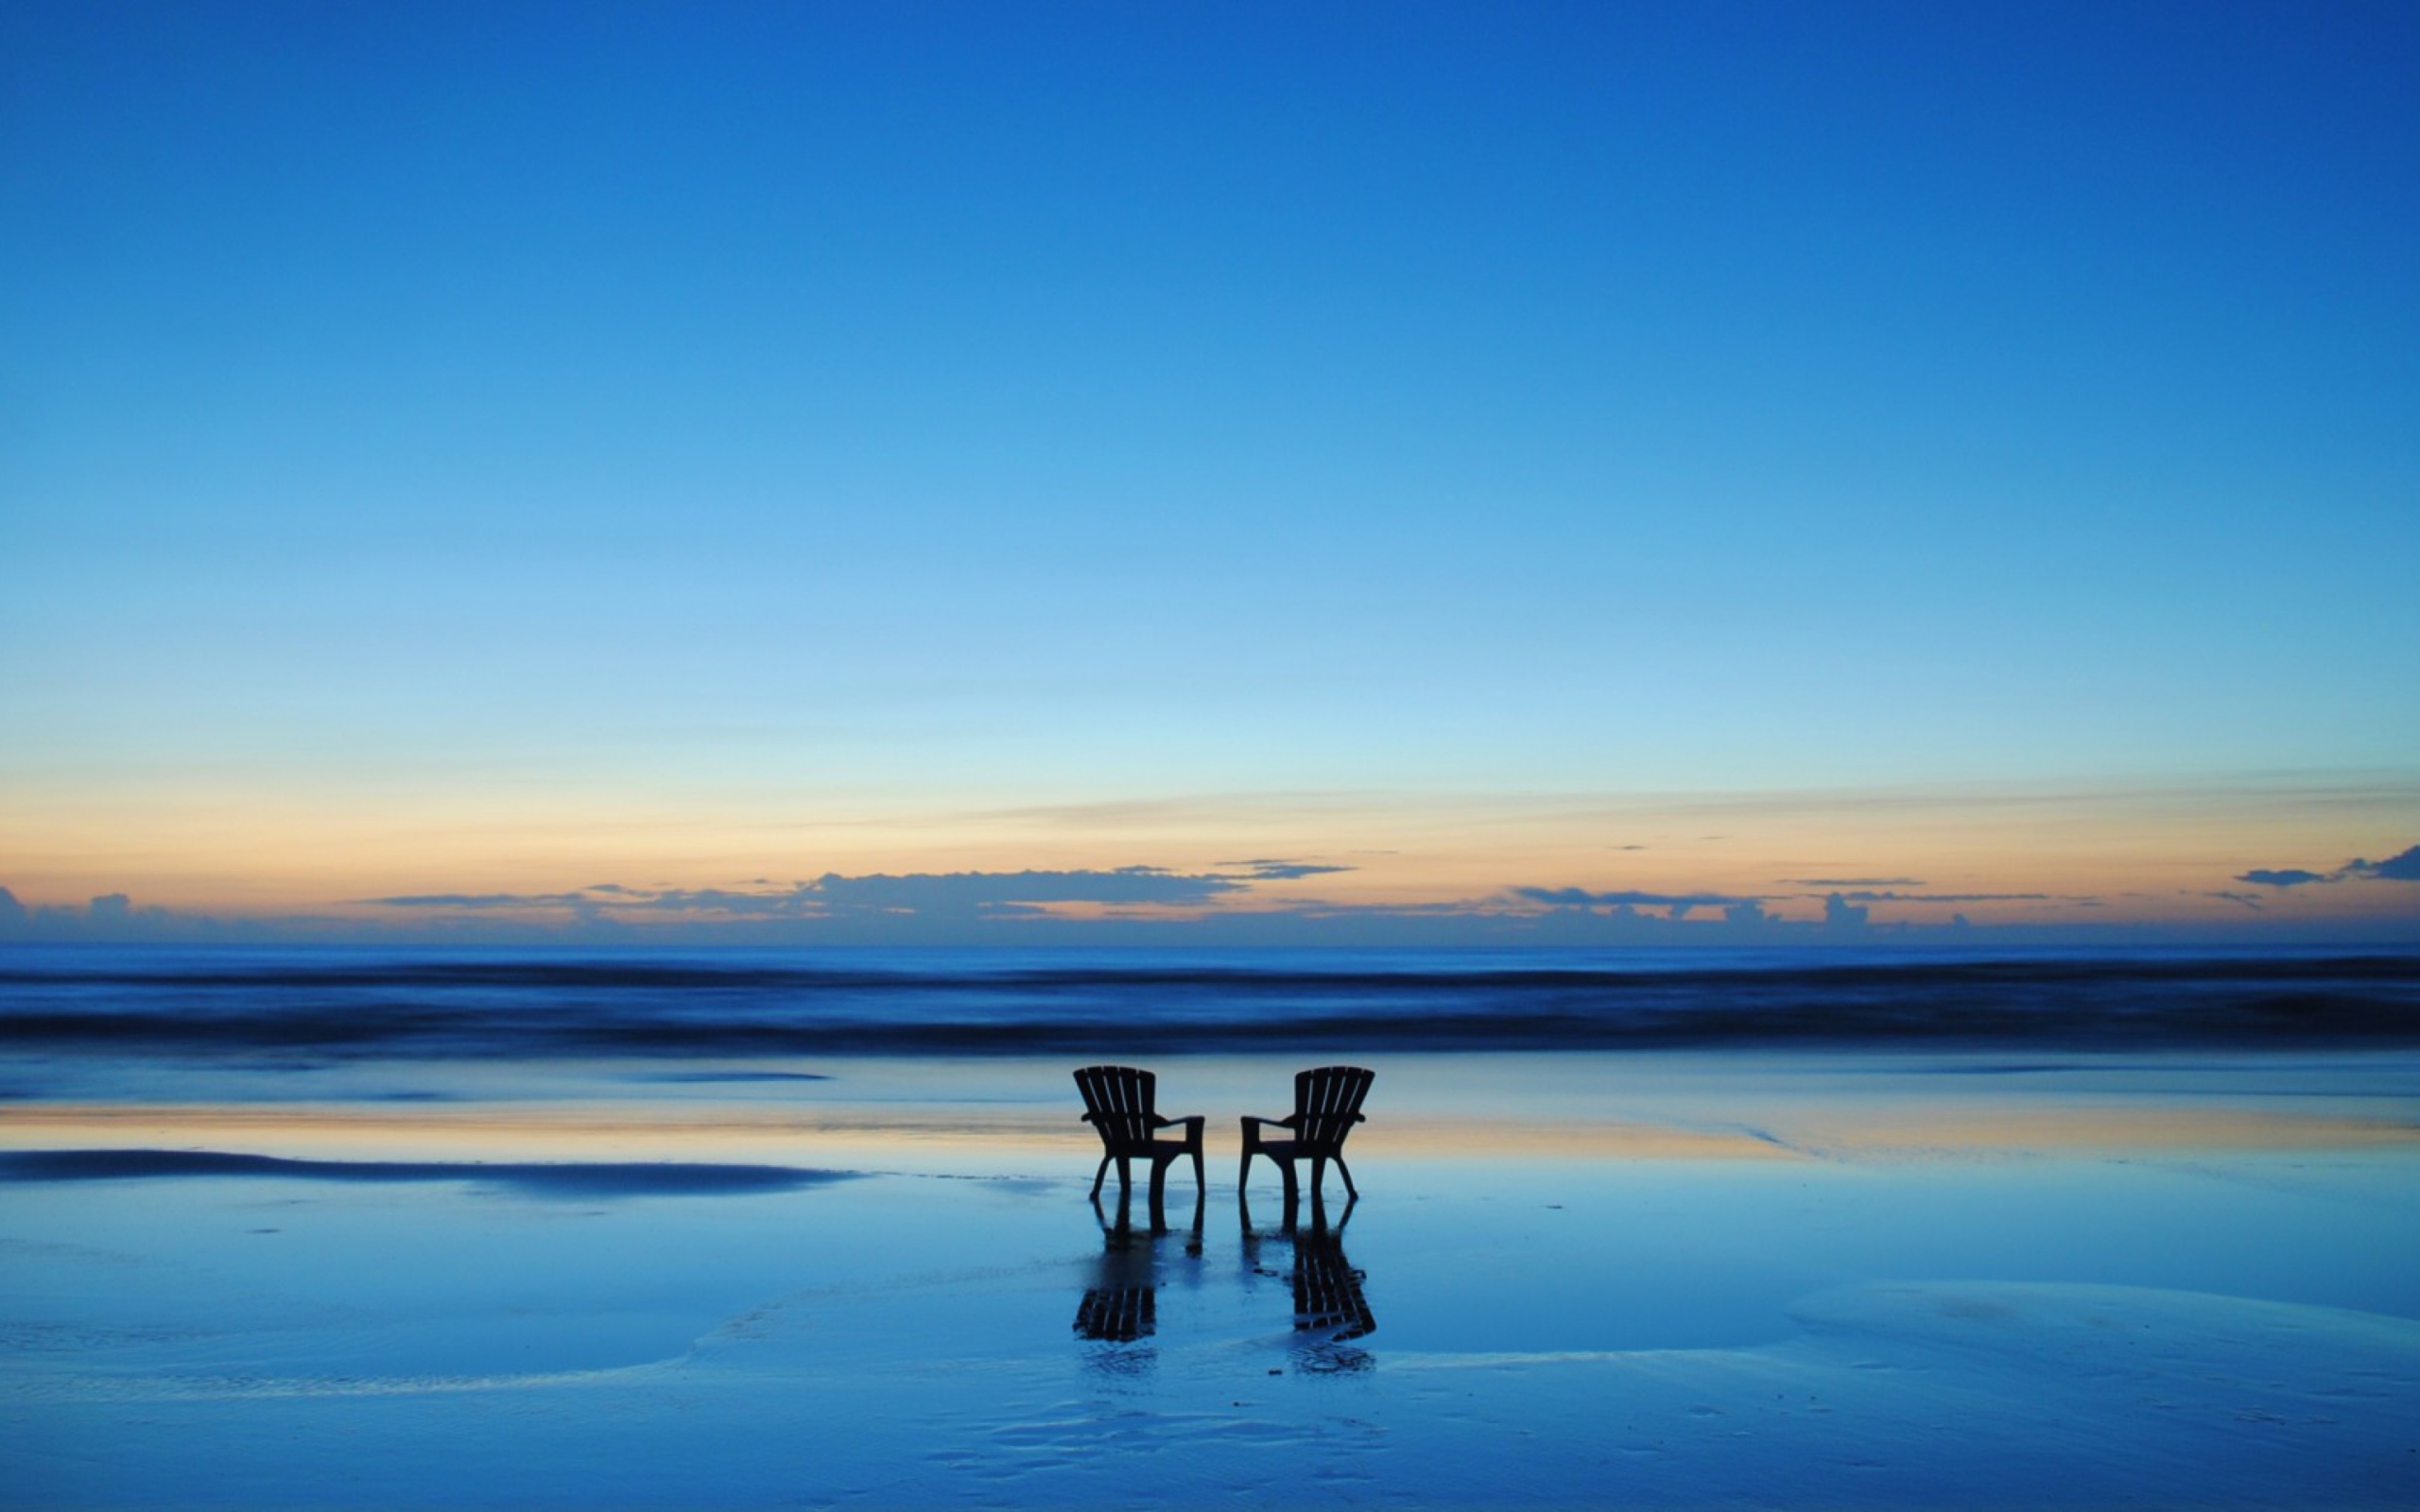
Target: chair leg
1346,1171
1319,1177
1099,1176
1159,1197
1244,1179
1200,1186
1294,1188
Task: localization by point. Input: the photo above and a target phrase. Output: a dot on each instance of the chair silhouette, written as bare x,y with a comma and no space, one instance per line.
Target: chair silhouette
1327,1103
1118,1105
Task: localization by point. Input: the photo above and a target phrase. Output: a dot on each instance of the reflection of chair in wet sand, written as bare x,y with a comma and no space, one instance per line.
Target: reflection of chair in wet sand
1118,1105
1118,1314
1121,1305
1327,1290
1330,1308
1327,1103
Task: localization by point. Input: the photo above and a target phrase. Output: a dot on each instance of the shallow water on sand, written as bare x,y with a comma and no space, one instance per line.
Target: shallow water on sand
1571,1279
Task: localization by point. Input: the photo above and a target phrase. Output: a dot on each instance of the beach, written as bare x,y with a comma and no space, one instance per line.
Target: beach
1951,1278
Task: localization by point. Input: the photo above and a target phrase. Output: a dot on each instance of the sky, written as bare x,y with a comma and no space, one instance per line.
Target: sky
1291,473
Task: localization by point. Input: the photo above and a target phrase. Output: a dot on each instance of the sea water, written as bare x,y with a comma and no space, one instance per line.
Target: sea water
336,1227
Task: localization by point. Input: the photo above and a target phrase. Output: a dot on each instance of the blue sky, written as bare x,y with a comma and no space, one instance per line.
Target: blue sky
502,449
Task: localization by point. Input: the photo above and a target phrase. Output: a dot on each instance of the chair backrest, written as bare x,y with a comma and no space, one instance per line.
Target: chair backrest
1120,1100
1327,1103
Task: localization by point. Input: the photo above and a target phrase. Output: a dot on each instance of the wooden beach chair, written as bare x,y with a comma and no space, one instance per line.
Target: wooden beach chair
1118,1104
1327,1103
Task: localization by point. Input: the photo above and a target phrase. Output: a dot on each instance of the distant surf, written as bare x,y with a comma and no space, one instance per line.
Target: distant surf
590,1179
342,1002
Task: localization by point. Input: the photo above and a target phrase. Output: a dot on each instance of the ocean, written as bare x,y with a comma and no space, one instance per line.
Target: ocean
328,1002
337,1227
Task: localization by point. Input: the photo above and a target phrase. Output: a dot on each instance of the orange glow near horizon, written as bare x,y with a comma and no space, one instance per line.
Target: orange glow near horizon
2093,854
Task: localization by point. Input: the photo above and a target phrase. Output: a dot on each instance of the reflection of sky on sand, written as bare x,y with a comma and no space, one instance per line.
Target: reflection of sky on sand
938,1113
1980,1314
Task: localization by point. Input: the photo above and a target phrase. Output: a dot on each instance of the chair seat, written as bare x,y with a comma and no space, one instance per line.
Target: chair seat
1153,1147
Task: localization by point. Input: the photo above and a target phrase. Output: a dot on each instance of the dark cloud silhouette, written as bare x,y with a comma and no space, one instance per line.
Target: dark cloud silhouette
12,913
2403,868
2246,900
2293,876
1839,913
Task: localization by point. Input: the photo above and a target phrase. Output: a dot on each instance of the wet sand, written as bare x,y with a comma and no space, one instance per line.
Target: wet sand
1571,1281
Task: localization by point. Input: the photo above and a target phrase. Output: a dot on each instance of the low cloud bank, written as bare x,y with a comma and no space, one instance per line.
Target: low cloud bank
2403,868
963,893
1680,903
1237,904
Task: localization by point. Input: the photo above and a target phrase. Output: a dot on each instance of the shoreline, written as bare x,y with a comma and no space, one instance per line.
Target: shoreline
1846,1281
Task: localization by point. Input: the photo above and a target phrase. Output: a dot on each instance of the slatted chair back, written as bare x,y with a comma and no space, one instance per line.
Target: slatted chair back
1120,1102
1327,1103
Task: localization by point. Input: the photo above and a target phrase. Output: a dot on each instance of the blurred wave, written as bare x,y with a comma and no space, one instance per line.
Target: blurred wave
653,1178
337,1002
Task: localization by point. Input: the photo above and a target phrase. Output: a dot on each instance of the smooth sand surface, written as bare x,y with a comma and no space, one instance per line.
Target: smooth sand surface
1689,1282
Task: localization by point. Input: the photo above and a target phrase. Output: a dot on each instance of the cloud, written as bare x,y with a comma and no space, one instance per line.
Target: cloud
1680,903
964,891
2403,868
1139,907
1862,896
1270,870
799,900
957,893
2294,877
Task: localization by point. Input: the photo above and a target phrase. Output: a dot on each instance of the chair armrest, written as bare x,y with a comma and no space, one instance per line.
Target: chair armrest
1281,1123
1196,1120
